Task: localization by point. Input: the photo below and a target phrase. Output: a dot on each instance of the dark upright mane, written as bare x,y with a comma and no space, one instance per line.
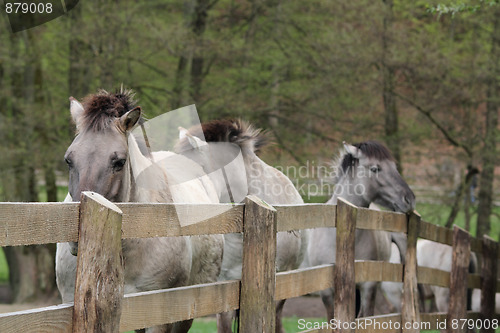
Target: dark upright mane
229,130
103,107
371,149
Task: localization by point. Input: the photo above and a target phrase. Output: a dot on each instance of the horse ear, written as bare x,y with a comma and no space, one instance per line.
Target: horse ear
194,141
354,151
76,109
130,119
182,133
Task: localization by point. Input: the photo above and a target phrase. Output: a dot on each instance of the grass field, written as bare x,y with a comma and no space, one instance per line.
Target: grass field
209,325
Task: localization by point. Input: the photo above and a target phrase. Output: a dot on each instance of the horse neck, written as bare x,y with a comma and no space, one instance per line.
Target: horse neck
269,183
346,189
152,185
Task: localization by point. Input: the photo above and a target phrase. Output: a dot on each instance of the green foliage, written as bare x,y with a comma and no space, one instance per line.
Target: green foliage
437,214
456,7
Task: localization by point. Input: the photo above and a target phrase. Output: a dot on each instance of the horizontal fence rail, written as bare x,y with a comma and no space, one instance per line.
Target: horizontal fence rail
41,223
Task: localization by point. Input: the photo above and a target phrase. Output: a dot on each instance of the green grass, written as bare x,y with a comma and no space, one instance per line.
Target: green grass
438,214
4,268
61,193
209,325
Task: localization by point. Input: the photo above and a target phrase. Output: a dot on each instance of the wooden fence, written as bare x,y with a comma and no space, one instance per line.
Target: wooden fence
260,286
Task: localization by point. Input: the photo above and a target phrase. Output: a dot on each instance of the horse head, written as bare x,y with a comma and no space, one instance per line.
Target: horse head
369,174
98,157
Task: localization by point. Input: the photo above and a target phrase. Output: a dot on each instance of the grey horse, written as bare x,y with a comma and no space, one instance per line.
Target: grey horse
364,173
105,157
255,177
439,256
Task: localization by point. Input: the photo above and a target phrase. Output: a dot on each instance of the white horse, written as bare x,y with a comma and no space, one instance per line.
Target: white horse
253,177
476,301
105,158
439,256
393,291
364,173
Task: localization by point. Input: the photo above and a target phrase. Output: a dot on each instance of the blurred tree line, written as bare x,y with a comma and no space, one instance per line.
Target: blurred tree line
315,72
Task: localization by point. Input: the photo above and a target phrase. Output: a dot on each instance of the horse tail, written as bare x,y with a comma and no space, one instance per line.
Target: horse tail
236,131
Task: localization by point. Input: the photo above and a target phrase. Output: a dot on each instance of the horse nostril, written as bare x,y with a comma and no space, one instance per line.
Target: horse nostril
405,199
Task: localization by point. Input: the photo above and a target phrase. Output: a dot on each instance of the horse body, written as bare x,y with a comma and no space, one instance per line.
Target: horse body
105,158
365,173
393,291
439,256
259,179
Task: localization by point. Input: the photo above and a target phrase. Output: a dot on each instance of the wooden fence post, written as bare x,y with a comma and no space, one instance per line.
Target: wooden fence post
99,272
410,310
458,280
344,277
488,281
258,276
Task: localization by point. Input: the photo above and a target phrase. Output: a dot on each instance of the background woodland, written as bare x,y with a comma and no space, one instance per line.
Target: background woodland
423,79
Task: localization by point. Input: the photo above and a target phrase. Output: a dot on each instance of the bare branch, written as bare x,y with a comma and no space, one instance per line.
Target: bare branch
428,114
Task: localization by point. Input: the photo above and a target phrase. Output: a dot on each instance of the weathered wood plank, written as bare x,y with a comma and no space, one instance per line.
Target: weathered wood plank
458,278
146,309
38,223
378,271
345,285
304,281
306,216
410,311
474,281
51,319
380,220
489,277
43,223
441,278
99,272
476,245
435,233
433,276
258,274
162,220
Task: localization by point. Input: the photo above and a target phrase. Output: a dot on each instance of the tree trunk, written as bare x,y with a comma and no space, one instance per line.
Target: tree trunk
275,83
80,74
31,268
31,272
388,74
50,182
198,26
489,151
182,65
462,191
180,75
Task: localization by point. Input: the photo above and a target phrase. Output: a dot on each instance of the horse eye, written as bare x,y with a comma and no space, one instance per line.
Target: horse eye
118,164
375,169
69,162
